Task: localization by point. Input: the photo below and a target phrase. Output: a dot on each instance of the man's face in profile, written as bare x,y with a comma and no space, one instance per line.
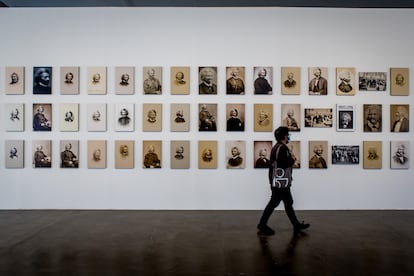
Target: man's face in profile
44,78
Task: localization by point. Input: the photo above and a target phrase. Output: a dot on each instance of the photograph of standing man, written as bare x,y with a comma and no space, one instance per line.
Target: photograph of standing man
318,85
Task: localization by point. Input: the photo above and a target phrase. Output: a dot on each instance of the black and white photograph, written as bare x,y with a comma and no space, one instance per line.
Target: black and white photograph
124,80
207,117
345,116
235,154
69,153
124,116
372,81
291,116
69,80
291,79
235,116
345,155
263,80
42,117
235,79
69,117
152,77
372,117
399,118
96,116
14,117
42,153
207,80
318,117
261,155
318,80
42,80
180,154
180,117
14,81
14,154
399,157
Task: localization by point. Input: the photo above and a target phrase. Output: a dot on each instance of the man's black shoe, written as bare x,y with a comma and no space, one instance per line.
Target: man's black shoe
265,230
301,226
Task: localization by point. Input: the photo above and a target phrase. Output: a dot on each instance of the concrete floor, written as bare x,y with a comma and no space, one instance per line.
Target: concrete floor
72,242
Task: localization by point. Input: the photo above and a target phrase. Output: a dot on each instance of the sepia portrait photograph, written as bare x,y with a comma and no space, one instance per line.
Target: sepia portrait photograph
69,80
318,80
294,147
42,153
399,118
152,117
14,117
69,117
345,81
318,117
263,80
291,116
372,154
207,117
318,154
96,80
180,117
42,117
235,117
261,155
180,154
42,80
263,117
124,154
345,116
152,154
207,80
235,79
235,154
14,154
372,81
96,116
14,80
180,80
399,157
345,155
124,80
400,85
290,81
207,154
69,153
372,117
96,154
124,117
152,80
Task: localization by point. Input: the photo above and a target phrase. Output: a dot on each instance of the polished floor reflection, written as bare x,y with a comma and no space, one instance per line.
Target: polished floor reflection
76,242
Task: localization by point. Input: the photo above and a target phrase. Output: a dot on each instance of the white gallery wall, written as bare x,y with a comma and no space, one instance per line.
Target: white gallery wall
371,40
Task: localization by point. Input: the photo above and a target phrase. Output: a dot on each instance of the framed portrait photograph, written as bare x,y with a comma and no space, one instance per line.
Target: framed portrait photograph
291,116
14,117
318,80
152,76
263,80
96,80
372,117
42,80
124,80
294,147
69,153
96,154
318,117
152,154
14,80
69,80
372,81
14,154
263,117
399,117
235,154
399,157
207,117
235,79
290,83
345,116
372,154
42,153
207,154
152,117
42,117
96,116
180,117
207,80
345,154
235,116
261,154
180,80
124,117
400,81
124,154
180,154
69,117
318,154
345,81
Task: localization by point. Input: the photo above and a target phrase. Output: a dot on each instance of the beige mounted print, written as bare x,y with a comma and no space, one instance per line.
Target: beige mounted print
125,80
180,117
235,78
152,154
180,154
69,80
14,80
96,117
207,154
152,117
345,81
262,150
318,154
124,154
14,114
263,80
96,154
235,154
97,80
14,154
399,117
318,80
69,153
291,79
400,81
372,154
152,77
291,116
69,117
42,153
124,117
263,117
180,80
